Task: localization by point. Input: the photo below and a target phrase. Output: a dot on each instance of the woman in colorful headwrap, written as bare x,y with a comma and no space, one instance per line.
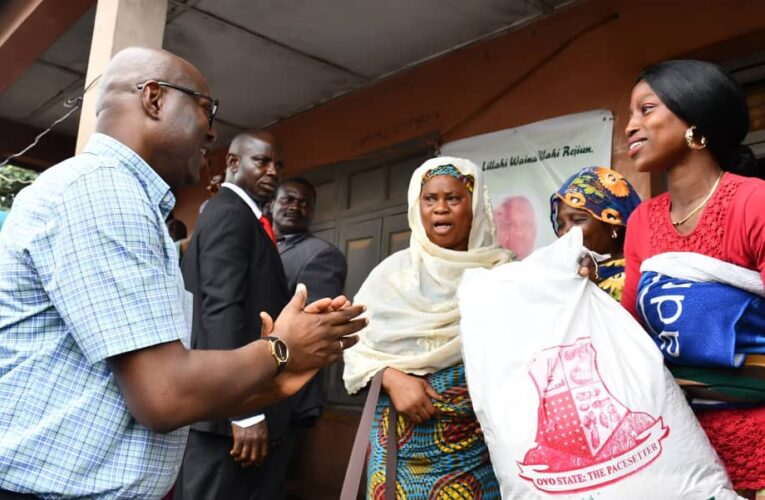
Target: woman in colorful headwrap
414,336
599,200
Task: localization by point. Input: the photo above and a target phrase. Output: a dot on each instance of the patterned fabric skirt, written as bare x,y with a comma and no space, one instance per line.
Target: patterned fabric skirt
442,458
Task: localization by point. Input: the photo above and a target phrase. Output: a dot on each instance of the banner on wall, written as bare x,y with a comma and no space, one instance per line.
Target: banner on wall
523,166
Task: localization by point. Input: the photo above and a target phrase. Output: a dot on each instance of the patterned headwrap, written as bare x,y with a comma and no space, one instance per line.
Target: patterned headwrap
449,169
602,192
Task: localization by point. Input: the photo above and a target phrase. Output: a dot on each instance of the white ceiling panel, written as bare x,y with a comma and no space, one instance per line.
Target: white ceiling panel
39,87
256,81
45,117
372,38
72,48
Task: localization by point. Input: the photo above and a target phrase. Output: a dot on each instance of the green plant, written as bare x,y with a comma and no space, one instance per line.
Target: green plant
12,180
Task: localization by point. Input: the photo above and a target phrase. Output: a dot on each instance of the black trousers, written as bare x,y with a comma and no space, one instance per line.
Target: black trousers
209,473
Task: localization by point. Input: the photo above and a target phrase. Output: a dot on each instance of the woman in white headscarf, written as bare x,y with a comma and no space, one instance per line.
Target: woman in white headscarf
414,336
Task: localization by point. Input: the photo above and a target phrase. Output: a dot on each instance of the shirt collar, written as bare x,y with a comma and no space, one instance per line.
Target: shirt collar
157,190
291,239
246,197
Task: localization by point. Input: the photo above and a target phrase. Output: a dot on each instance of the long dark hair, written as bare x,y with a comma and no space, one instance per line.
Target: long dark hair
706,95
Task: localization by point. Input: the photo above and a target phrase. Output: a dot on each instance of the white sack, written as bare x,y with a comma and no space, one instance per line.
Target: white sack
571,393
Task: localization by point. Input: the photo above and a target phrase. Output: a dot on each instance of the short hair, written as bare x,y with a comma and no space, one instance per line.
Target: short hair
707,96
302,181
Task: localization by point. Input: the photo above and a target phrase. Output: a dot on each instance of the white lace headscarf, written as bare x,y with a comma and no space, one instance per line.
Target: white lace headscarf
411,296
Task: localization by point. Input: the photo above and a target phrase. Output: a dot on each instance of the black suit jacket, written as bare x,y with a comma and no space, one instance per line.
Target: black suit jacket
234,271
314,262
322,269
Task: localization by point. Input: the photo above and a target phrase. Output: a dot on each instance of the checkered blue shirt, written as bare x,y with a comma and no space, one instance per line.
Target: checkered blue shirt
87,271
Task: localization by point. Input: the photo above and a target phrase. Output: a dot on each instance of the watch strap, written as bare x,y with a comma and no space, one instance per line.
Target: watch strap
280,363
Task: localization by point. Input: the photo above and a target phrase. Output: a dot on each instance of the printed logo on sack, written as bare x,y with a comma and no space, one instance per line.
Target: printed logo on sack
586,438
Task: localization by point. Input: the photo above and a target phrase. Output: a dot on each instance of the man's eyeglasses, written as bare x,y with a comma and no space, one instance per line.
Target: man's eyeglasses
213,102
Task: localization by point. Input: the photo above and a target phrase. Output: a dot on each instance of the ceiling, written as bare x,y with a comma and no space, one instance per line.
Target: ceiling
269,59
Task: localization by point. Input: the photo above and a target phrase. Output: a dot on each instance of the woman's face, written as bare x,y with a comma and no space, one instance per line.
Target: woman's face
655,135
597,234
447,212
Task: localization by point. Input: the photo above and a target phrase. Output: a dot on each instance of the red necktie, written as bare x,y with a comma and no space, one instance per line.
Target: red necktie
267,226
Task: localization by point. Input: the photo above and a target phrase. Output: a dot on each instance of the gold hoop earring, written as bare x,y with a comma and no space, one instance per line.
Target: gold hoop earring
689,133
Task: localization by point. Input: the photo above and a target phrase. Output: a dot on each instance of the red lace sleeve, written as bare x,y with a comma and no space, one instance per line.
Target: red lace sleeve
636,237
754,227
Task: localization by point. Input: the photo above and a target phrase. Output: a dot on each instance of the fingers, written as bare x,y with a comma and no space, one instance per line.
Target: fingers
240,448
416,404
349,341
347,329
429,409
413,416
345,315
587,266
236,449
266,324
250,444
244,456
319,306
340,302
417,415
328,305
297,303
258,452
432,392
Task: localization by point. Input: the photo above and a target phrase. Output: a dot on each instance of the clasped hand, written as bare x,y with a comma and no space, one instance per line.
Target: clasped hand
411,396
316,336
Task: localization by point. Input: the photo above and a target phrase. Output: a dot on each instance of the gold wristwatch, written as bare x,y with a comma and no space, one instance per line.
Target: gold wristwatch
279,351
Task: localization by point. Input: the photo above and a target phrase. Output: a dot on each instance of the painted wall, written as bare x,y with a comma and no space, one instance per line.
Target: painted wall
584,57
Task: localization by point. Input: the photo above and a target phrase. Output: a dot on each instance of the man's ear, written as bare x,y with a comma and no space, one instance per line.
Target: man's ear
152,99
232,162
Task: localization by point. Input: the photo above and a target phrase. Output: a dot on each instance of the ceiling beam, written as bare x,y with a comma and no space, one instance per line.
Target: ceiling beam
29,27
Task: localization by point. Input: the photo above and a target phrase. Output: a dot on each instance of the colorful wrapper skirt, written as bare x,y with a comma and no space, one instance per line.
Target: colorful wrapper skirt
441,458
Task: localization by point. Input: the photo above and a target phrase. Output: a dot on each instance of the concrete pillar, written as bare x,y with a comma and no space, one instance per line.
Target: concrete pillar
119,24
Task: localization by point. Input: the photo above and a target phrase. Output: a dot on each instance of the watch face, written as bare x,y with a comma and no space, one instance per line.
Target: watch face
280,348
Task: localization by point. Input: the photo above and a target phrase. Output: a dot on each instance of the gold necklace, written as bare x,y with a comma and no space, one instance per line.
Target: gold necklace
709,196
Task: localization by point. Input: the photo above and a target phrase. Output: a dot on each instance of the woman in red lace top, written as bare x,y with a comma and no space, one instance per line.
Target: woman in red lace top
688,119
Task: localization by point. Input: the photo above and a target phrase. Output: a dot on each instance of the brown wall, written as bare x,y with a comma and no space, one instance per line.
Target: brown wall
582,58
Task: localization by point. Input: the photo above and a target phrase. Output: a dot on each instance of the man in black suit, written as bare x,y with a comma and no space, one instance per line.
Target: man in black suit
234,271
309,260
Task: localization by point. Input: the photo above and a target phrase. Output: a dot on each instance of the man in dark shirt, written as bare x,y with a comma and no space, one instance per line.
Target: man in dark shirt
309,260
306,258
